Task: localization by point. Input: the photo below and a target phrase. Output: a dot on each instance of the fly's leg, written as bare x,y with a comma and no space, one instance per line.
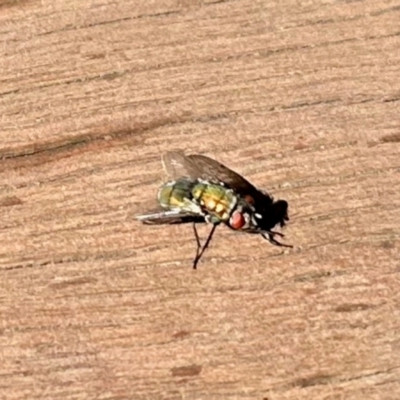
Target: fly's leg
273,233
196,235
200,250
270,237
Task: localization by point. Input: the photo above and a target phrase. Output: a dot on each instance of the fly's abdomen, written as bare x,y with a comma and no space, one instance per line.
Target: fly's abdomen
173,194
216,200
178,195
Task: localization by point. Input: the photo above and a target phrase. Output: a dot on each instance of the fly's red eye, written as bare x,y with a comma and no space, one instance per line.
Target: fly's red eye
237,220
249,199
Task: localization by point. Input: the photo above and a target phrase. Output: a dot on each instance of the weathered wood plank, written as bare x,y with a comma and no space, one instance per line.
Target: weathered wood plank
300,97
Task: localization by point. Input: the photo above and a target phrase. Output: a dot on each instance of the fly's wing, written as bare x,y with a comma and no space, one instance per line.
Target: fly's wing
162,217
195,166
214,170
177,165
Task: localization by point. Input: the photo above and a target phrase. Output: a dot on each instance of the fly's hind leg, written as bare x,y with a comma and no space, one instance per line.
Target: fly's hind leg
200,249
196,235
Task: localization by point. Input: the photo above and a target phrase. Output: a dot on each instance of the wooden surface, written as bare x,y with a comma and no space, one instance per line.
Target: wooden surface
302,98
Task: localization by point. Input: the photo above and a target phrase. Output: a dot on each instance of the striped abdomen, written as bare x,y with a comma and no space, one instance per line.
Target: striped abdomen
178,195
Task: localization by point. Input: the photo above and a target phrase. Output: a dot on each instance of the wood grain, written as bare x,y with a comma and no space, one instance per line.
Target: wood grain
302,98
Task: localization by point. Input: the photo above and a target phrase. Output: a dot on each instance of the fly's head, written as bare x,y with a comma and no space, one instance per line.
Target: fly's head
241,217
273,213
280,210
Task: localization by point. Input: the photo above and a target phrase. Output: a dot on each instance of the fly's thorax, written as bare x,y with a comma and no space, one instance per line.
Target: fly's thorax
216,200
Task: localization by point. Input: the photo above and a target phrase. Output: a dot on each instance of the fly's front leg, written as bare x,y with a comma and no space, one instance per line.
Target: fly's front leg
270,237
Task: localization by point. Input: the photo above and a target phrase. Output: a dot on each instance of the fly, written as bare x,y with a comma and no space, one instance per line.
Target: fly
201,190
